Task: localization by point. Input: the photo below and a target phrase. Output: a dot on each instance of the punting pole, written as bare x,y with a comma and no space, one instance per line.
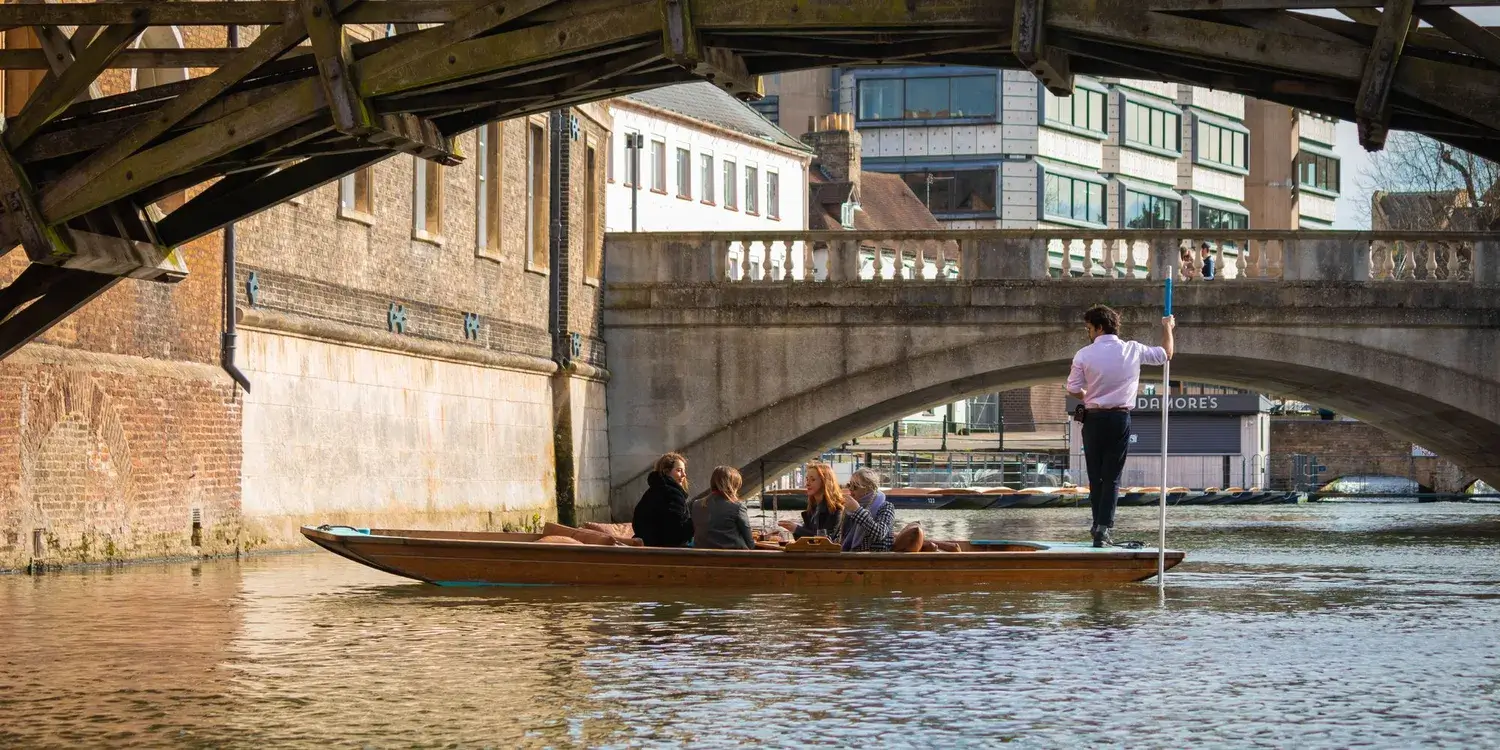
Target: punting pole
1166,397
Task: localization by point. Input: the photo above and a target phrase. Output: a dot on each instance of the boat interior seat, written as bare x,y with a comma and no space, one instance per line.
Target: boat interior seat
557,539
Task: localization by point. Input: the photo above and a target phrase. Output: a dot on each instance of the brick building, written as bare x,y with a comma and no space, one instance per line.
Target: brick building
421,345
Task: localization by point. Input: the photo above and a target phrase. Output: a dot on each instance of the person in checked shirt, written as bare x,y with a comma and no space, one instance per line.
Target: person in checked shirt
1105,377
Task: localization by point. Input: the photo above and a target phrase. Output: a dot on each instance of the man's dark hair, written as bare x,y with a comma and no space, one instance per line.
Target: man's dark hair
1103,318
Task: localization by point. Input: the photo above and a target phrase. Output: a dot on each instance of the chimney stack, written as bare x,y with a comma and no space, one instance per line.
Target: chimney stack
836,146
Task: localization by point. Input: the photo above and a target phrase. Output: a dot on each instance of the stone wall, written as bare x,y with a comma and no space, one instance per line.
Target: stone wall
405,376
1349,448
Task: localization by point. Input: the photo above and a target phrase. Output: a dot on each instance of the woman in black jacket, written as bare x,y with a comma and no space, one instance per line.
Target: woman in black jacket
661,517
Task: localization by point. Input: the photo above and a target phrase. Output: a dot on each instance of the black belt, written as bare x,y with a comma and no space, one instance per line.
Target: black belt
1108,408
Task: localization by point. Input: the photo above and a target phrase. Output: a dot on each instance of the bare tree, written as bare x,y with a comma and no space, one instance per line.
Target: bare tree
1437,186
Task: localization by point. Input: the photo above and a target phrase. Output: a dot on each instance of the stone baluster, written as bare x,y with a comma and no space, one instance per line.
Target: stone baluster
1086,246
1065,262
1242,260
902,272
1255,257
1276,260
1431,265
1388,263
1129,270
1219,267
1107,254
1450,262
719,260
1408,270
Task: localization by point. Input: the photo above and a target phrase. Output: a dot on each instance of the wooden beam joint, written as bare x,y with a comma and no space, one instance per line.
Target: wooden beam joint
1050,65
1372,107
352,115
720,66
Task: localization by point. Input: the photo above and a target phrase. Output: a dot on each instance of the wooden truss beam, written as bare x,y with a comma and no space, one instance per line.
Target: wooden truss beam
57,92
224,12
718,65
1028,43
1478,39
1217,5
1372,108
54,294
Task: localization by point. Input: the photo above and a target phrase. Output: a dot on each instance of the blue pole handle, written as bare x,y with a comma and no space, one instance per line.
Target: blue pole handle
1169,297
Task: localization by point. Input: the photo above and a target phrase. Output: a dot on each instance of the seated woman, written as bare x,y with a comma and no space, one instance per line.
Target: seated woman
661,517
825,505
869,523
720,520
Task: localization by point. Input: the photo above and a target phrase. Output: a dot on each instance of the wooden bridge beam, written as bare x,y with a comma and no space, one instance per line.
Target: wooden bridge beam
1029,43
1373,107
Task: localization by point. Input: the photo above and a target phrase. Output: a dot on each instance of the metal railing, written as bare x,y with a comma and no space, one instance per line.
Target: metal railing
1056,253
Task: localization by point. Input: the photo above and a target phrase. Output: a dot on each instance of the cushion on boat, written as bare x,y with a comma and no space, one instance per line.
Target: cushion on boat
554,539
909,539
620,530
586,536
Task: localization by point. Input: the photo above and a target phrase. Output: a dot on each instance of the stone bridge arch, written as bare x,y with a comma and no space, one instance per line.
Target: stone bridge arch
768,375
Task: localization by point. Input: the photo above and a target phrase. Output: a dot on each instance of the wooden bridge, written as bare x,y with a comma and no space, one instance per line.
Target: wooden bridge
302,104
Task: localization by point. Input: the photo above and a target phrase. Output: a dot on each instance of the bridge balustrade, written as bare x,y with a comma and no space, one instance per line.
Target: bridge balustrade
1054,253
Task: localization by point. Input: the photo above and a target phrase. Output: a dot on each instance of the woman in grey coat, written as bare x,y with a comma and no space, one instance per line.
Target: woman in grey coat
720,520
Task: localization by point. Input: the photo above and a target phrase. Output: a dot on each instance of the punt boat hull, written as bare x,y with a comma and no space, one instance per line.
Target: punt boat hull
453,558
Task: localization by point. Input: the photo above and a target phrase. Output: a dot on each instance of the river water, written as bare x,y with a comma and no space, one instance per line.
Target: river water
1323,625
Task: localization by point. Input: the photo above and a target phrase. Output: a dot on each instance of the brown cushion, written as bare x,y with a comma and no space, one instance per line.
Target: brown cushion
909,539
621,530
554,539
586,536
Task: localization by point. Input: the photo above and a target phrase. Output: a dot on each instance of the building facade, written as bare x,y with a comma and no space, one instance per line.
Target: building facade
1213,440
708,162
1295,177
421,343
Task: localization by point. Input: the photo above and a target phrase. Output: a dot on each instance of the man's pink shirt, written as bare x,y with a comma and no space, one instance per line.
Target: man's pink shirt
1108,371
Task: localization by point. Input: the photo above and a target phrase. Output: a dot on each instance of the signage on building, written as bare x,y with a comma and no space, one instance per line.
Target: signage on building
1206,403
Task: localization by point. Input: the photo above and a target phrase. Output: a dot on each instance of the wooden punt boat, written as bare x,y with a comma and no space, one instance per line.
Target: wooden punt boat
467,558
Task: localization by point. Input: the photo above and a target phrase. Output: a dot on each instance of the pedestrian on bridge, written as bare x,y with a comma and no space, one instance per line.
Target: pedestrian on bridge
1105,377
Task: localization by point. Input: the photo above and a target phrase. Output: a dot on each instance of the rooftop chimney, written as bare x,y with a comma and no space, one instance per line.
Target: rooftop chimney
836,147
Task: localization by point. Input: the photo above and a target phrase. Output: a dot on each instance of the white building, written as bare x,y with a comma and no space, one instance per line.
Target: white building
709,163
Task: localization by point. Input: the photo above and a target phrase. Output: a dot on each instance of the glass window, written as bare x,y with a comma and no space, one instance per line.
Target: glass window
1073,199
729,187
592,193
684,174
1221,145
773,195
971,191
1084,109
659,166
1145,211
707,177
880,99
632,160
928,98
1318,171
1148,126
752,190
487,203
973,96
536,196
1213,218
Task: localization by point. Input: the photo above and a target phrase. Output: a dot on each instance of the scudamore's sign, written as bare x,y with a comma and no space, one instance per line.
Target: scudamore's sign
1217,403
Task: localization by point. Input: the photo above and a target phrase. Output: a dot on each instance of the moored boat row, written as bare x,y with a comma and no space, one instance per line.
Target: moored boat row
979,498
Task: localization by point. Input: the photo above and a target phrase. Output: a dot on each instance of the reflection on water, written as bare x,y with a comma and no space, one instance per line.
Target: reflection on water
1297,626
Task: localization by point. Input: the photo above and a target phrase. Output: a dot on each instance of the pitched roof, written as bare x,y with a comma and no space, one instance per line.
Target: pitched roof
886,202
708,103
1417,211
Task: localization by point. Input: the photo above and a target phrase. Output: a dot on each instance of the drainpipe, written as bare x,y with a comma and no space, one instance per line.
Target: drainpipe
564,461
226,342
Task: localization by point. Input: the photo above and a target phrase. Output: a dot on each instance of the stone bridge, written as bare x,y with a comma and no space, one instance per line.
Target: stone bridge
713,358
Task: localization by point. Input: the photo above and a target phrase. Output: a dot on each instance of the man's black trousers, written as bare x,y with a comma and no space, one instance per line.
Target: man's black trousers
1106,442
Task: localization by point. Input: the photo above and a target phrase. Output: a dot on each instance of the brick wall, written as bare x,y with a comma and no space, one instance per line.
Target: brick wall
1042,407
1349,448
117,423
